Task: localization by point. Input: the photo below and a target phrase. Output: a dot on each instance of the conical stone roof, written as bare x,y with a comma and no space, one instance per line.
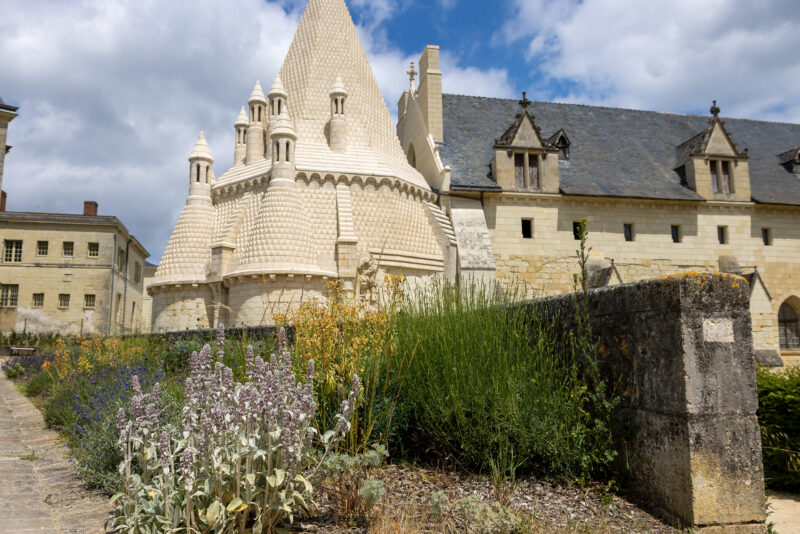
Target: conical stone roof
325,45
201,150
258,94
241,120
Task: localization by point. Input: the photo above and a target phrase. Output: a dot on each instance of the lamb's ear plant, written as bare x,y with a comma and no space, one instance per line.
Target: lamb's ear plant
242,460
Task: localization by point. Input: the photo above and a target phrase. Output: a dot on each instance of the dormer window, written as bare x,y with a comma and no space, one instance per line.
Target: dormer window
526,170
721,181
560,141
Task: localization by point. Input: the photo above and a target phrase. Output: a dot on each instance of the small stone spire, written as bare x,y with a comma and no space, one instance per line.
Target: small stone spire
282,139
255,132
338,124
240,146
201,174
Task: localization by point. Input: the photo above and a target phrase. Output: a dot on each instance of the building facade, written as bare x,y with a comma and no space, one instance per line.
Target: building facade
662,193
72,274
320,189
7,114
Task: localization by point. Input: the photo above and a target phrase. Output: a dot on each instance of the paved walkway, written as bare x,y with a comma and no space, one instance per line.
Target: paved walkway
785,512
39,489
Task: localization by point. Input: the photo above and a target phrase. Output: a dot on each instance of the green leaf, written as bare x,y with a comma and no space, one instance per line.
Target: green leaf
236,505
251,479
271,481
280,475
213,513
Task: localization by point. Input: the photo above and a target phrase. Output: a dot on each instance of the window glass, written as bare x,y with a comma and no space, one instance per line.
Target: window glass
519,171
42,248
788,328
9,294
722,234
766,236
712,165
88,301
93,250
628,230
13,251
676,233
63,300
38,300
68,248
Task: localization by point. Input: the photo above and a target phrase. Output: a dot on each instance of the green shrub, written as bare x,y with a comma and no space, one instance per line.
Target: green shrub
489,379
37,384
779,417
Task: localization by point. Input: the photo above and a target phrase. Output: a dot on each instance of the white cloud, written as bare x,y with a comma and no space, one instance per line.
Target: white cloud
113,94
669,55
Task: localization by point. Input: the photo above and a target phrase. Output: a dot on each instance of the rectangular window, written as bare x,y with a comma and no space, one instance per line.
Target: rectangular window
88,301
68,249
121,260
93,250
712,166
9,294
628,230
519,171
766,236
137,272
38,300
533,171
722,235
42,248
527,228
13,251
727,185
676,233
63,300
576,230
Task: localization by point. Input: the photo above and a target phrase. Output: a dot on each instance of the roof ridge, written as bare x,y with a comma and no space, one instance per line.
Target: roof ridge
596,106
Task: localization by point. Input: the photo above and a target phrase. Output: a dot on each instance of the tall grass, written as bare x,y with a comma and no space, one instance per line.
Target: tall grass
492,384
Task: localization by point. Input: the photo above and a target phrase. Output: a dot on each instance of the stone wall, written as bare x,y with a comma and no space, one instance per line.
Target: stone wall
679,352
547,261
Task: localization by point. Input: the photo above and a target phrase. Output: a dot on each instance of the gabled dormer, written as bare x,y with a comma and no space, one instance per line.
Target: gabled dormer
712,165
523,160
560,141
791,160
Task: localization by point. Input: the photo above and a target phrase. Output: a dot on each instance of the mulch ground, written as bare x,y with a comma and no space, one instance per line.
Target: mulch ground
555,508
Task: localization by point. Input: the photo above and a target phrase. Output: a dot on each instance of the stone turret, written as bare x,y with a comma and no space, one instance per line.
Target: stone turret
282,143
338,124
240,148
255,131
201,174
277,104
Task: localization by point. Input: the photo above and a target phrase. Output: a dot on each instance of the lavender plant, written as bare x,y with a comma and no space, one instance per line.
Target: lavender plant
242,459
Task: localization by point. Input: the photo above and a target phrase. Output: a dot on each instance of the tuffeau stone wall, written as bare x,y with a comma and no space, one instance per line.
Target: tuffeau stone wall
679,353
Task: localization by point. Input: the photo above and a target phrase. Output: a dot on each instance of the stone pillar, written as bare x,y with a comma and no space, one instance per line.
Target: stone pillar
679,352
430,92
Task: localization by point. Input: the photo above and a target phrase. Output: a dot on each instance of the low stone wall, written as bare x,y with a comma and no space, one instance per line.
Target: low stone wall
679,352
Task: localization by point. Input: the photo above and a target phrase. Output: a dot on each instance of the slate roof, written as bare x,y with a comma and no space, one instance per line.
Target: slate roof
613,152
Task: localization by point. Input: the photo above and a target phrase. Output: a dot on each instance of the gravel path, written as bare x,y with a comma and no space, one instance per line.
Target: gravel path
40,490
785,512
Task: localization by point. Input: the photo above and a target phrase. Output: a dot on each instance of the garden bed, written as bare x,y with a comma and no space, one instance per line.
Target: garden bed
549,507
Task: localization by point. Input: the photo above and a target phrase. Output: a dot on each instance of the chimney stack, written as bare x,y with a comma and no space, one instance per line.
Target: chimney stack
2,201
89,207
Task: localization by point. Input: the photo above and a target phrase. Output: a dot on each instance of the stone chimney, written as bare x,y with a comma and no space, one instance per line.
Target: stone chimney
89,207
2,201
430,92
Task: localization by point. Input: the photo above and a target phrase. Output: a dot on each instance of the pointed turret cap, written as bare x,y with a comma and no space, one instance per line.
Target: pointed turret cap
258,94
201,150
277,88
338,87
241,120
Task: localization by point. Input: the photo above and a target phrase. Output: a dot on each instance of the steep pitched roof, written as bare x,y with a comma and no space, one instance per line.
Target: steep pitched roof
613,152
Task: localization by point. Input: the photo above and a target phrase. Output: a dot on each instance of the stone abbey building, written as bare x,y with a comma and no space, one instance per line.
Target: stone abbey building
324,186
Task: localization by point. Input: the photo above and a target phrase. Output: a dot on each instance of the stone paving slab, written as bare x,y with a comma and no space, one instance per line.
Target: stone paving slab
40,491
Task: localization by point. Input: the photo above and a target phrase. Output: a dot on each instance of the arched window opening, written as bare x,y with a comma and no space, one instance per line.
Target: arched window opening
259,113
341,106
197,177
251,114
788,328
288,144
412,156
279,106
206,174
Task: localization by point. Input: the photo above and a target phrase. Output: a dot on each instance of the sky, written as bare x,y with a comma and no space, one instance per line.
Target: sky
113,93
